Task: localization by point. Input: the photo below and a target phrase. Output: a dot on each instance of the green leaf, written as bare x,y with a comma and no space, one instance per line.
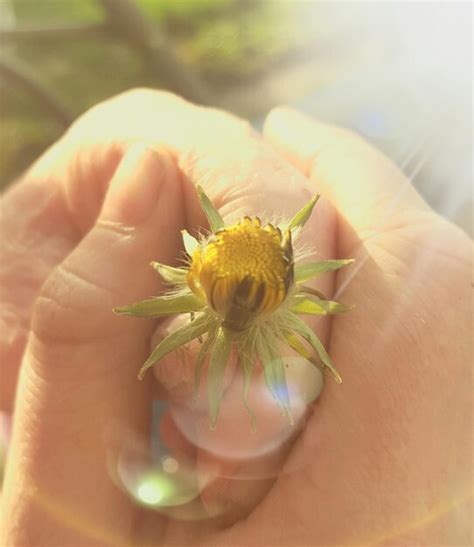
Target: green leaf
216,222
162,305
274,370
301,328
316,306
170,274
306,271
190,242
203,353
178,338
247,364
302,216
215,376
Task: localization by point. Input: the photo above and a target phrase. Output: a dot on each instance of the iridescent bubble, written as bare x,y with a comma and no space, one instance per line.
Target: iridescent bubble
234,439
154,477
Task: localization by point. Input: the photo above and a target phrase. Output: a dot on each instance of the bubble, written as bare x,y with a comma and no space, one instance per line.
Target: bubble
154,477
234,438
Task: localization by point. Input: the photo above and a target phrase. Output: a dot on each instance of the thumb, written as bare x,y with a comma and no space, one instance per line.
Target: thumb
79,371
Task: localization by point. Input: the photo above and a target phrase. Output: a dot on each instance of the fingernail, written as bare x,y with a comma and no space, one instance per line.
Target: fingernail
135,187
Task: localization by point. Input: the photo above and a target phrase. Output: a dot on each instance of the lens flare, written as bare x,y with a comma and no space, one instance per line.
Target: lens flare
150,491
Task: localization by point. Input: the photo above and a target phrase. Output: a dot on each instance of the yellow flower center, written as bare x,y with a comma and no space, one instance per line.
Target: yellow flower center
244,271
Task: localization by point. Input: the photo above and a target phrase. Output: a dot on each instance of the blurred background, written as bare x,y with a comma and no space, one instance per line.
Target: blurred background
399,73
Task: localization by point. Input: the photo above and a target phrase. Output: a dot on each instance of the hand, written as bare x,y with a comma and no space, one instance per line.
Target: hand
111,208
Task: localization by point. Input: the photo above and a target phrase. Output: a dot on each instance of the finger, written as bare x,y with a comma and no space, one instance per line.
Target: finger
39,227
79,370
368,191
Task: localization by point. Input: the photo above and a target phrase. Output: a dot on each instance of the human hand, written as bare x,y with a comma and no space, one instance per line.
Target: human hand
98,376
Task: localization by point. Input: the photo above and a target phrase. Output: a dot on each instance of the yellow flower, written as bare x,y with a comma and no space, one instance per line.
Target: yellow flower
245,271
243,290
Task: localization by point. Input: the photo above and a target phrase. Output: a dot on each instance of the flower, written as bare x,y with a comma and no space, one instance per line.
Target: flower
244,291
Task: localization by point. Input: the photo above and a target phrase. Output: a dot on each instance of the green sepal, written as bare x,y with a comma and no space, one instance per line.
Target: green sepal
206,347
170,274
274,371
297,325
162,305
247,364
190,243
215,376
178,338
216,222
316,306
295,343
302,216
304,289
308,270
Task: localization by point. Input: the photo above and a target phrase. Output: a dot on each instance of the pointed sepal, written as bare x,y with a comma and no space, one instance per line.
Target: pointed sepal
214,218
316,306
309,270
170,274
190,243
298,326
274,371
302,216
204,351
162,305
247,362
215,376
178,338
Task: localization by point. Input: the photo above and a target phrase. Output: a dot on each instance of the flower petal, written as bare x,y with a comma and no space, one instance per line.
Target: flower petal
215,376
170,274
213,216
180,337
302,216
306,271
301,328
162,305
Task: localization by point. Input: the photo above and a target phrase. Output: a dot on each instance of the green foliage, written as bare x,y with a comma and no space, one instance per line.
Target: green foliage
228,42
57,11
160,10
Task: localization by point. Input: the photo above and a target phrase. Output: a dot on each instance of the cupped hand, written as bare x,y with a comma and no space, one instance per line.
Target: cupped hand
110,197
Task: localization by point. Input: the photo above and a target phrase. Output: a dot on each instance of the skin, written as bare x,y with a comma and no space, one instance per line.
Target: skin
381,459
